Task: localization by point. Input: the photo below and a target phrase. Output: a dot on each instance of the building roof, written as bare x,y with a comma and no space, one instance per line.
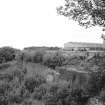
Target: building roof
83,44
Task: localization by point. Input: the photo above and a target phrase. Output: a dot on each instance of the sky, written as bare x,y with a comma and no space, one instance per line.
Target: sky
26,23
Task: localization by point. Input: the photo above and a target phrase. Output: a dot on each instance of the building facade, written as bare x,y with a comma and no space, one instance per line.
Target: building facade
83,46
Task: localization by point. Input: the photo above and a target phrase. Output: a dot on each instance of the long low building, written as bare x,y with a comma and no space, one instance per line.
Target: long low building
83,46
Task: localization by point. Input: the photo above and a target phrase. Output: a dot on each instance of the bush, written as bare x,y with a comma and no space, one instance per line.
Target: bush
33,82
7,54
40,92
12,87
53,59
27,57
4,66
96,83
66,96
75,60
4,90
38,57
102,95
43,90
33,56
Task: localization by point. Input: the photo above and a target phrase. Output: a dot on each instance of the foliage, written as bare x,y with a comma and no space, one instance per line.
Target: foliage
19,87
7,54
86,12
75,60
33,82
54,59
40,92
98,61
33,56
67,96
96,83
4,65
102,95
38,57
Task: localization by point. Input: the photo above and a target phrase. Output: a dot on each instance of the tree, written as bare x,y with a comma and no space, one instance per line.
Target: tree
7,54
87,12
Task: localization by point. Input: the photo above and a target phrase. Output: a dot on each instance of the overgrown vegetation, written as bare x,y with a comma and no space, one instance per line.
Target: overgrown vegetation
72,87
7,54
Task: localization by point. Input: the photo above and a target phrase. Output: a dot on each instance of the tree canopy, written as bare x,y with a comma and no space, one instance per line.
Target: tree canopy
87,12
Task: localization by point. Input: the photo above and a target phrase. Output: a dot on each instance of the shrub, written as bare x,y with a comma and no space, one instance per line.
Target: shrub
27,57
33,56
53,59
31,102
19,56
66,96
40,92
33,82
96,82
4,90
15,96
75,60
4,66
7,54
102,95
12,87
38,57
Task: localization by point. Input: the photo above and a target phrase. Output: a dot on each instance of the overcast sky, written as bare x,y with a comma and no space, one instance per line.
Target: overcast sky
25,23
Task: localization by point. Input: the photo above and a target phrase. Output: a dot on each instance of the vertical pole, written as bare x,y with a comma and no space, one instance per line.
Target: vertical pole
103,36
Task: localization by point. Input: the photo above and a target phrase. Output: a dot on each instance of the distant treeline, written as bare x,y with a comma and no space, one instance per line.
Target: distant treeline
42,48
